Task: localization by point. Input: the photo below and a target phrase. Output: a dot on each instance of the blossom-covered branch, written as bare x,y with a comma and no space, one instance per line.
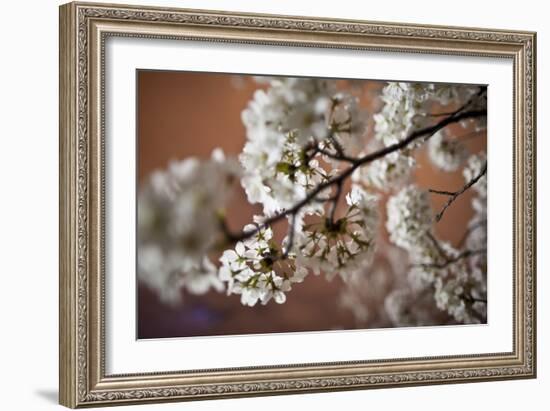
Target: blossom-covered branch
355,164
307,148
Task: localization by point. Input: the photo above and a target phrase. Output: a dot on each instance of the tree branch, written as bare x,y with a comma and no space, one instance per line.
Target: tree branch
339,149
456,194
340,157
355,164
442,192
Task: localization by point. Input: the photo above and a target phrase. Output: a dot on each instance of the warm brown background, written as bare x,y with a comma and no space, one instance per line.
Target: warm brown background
183,114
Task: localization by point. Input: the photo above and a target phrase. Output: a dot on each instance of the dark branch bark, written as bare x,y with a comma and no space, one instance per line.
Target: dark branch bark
442,192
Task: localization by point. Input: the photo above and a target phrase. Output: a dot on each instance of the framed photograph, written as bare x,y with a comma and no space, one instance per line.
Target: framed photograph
258,204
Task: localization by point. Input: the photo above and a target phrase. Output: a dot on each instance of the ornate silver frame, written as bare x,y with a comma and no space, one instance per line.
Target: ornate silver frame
83,30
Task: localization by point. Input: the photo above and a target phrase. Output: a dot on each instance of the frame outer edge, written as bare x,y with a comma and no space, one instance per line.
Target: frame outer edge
533,136
78,348
68,326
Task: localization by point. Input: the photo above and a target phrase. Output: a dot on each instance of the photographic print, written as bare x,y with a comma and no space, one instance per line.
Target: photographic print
270,204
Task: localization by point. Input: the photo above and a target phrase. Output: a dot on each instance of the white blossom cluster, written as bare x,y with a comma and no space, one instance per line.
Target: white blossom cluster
477,227
473,168
477,103
345,245
178,224
445,153
391,171
289,104
476,238
400,114
251,269
454,296
282,123
279,183
260,270
458,289
405,307
409,217
406,109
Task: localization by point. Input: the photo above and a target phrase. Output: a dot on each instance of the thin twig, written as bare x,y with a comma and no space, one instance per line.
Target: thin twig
308,156
445,193
337,146
456,194
439,114
339,157
291,231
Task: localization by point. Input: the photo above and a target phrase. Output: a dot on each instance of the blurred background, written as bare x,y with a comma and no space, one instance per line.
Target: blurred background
182,114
